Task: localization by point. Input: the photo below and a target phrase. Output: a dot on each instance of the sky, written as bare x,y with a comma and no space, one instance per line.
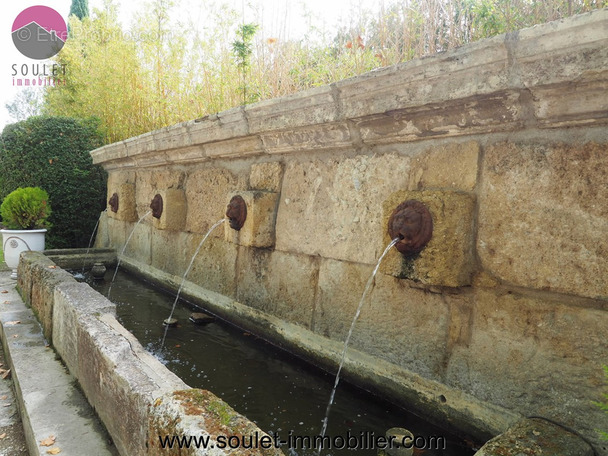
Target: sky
288,15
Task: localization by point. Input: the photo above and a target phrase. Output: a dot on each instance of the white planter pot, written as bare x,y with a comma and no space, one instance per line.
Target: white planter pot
16,241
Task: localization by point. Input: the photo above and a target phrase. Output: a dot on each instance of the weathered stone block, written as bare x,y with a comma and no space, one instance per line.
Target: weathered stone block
217,127
333,208
114,368
102,237
266,176
174,212
535,357
164,258
480,113
449,166
127,207
543,216
536,437
117,233
44,280
206,191
308,107
334,136
172,137
72,303
263,284
237,147
214,266
399,324
150,181
139,243
447,260
30,261
259,227
196,412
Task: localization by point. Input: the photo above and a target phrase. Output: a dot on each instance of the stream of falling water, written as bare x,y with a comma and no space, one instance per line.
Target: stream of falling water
179,290
123,252
368,286
86,255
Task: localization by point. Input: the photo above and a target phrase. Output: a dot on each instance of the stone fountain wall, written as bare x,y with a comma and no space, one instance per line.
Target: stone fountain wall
503,315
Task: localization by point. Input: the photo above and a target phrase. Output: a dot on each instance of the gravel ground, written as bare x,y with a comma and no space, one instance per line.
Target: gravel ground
12,439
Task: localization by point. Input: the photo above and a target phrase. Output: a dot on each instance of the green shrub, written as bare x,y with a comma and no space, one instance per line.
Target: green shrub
26,209
53,153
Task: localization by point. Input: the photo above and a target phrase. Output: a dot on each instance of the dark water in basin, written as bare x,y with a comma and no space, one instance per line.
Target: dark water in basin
277,391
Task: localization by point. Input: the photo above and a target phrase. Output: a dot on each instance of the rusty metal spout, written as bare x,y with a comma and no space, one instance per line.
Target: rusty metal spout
412,223
113,202
236,212
157,206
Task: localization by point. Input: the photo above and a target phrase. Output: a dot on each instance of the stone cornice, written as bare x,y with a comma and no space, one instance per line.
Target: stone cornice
547,76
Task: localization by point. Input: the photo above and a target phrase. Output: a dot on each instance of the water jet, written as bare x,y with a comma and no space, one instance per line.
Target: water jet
172,321
124,248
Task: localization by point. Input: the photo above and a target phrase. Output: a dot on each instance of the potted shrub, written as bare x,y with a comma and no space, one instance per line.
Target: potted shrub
24,214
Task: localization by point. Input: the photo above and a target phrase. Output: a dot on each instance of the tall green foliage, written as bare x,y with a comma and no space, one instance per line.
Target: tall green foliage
102,77
53,153
80,8
243,48
162,71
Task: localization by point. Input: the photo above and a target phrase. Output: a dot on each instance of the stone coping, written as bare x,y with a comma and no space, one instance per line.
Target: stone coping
48,401
517,80
136,397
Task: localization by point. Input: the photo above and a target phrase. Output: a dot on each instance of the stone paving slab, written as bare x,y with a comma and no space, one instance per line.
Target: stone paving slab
47,395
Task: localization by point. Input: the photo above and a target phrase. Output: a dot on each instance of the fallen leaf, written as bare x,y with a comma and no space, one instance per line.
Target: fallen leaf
2,436
6,405
16,322
3,398
54,450
50,440
4,291
53,267
6,374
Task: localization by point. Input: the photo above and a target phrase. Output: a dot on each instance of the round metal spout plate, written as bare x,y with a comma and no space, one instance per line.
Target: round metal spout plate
113,202
412,222
236,212
157,206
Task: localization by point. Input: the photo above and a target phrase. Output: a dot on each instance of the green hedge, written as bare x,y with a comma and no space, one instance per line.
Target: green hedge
53,153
